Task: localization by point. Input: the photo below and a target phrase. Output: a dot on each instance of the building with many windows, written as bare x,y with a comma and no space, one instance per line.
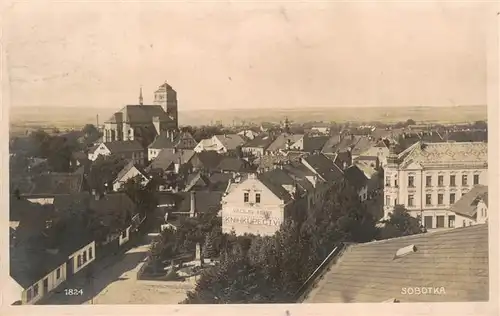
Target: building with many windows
427,178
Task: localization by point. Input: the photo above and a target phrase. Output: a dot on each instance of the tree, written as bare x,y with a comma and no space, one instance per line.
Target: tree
410,122
104,170
90,130
400,223
208,247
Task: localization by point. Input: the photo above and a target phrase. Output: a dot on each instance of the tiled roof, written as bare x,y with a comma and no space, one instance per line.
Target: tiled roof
196,180
260,142
324,167
53,184
468,136
467,205
314,143
233,164
162,141
114,209
127,168
117,147
355,177
167,158
362,145
219,181
455,259
205,201
141,114
339,144
280,142
274,181
436,153
209,159
231,141
30,261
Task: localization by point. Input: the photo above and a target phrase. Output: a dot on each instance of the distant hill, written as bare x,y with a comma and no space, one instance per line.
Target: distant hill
72,117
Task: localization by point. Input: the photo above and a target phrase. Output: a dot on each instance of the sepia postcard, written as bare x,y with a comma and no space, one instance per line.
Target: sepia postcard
173,157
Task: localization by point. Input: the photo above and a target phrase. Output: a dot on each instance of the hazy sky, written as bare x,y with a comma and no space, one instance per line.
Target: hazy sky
247,55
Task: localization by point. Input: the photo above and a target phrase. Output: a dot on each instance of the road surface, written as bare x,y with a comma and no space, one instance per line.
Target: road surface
116,283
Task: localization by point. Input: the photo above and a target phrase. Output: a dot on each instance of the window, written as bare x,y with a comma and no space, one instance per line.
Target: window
452,198
440,199
35,290
428,181
79,261
387,200
387,181
451,221
58,273
257,198
396,183
439,221
84,256
452,181
411,181
476,179
245,197
410,200
440,181
464,179
90,253
428,199
124,234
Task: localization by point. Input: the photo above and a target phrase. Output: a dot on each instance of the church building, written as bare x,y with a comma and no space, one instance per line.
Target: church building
144,122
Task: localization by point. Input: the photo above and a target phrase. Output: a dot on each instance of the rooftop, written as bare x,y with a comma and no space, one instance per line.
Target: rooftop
231,141
456,260
439,153
467,205
123,146
141,114
52,183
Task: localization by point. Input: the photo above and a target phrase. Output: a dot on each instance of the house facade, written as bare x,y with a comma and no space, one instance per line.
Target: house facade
130,150
427,178
471,209
130,171
255,206
220,143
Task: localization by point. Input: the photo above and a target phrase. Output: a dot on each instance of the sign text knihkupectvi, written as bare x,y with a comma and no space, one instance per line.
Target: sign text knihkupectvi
252,217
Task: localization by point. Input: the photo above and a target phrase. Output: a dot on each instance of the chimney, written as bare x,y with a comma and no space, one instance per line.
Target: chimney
192,210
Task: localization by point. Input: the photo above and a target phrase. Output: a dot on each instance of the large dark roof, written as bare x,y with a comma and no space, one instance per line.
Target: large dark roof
141,114
260,142
233,164
455,259
277,180
166,158
314,143
117,147
209,159
355,177
205,201
219,181
52,183
30,261
467,205
324,167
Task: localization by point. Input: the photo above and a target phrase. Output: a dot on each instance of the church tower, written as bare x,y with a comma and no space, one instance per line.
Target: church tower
166,96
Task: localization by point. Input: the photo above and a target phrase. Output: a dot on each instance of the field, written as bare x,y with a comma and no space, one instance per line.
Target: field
28,118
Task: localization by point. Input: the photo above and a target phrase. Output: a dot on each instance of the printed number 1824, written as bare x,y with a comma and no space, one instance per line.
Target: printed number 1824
73,292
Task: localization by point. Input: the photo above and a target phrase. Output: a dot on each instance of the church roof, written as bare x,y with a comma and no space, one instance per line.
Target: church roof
141,114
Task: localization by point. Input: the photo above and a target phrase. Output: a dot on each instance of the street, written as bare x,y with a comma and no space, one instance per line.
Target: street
116,283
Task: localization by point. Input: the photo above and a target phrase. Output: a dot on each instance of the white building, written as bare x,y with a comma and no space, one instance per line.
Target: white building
471,209
220,143
128,172
427,178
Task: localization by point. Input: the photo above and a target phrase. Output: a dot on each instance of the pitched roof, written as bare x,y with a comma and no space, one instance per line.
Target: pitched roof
30,260
122,146
141,114
439,153
314,143
455,259
209,159
355,177
205,201
275,180
281,141
324,167
114,209
233,164
162,141
467,204
53,183
260,142
196,180
127,168
231,141
166,158
219,181
362,145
